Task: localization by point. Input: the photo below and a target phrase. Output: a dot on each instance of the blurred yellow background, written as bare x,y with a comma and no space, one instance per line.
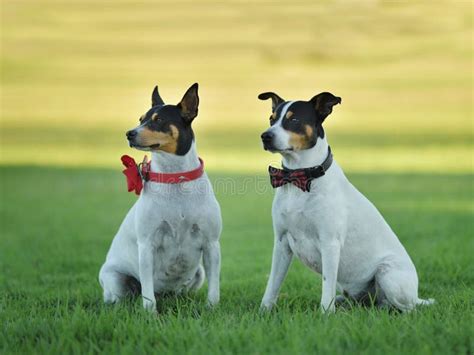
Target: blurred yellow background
77,74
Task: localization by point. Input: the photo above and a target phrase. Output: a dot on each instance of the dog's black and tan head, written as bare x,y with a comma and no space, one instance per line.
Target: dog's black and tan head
167,127
296,125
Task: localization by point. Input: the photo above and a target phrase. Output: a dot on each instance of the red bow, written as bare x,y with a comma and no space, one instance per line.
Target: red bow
299,178
137,173
132,172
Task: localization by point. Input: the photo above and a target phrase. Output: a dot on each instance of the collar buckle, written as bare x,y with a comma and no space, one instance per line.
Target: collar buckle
315,171
141,172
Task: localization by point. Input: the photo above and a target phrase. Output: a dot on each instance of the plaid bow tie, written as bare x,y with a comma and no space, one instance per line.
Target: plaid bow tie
301,178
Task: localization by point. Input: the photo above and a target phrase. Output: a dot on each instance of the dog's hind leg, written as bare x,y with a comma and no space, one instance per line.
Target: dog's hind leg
114,284
399,288
198,280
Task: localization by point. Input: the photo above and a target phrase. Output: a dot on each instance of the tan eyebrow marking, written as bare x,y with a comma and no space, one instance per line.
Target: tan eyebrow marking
289,114
154,117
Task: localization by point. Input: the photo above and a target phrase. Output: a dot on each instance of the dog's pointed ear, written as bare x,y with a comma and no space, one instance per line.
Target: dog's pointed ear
323,104
156,98
276,100
188,106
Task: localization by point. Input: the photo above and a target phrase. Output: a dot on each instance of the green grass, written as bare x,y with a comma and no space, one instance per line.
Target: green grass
58,223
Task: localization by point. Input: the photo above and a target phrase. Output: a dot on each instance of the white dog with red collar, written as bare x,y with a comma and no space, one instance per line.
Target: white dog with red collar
175,223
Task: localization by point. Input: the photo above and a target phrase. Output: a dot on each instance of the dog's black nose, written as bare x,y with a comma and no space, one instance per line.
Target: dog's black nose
267,137
131,134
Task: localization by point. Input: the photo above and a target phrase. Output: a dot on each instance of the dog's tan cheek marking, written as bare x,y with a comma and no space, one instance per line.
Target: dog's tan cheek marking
297,141
174,131
146,136
168,141
301,141
172,145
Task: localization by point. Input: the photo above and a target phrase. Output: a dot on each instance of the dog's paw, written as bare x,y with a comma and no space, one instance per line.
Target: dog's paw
340,300
328,309
149,305
266,307
110,298
212,302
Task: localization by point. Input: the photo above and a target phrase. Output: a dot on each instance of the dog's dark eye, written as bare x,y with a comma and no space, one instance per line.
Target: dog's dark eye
293,119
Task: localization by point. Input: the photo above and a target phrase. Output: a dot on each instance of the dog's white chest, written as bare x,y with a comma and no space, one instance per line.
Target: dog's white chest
300,225
176,230
178,247
306,248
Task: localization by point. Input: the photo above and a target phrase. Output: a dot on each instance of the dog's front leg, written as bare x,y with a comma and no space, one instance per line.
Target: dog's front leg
281,260
212,267
330,254
145,264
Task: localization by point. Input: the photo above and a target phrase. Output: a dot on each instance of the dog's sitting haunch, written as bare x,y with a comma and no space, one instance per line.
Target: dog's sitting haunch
176,220
320,217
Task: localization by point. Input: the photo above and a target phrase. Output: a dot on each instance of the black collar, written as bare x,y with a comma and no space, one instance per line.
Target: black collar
315,171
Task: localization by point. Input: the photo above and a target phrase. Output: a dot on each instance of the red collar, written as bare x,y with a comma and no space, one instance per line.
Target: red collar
137,173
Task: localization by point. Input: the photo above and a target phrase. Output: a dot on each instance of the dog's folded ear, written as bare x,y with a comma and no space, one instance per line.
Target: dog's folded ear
156,98
188,106
323,104
276,100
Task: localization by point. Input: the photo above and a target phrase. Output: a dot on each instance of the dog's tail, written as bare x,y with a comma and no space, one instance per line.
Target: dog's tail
422,302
